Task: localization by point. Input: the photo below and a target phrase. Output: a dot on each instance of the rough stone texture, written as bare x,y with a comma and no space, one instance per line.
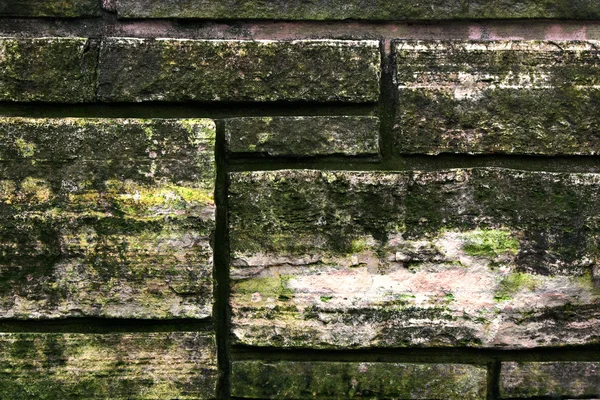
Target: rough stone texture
355,9
106,217
48,69
497,97
551,379
217,70
49,8
339,380
177,365
468,257
303,136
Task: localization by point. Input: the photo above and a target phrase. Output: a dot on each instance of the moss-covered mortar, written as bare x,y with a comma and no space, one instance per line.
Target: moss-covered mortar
106,217
48,69
148,366
49,8
303,136
478,257
221,70
550,380
355,9
512,97
348,380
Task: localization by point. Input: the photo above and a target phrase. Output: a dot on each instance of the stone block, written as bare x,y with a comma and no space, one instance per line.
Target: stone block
349,380
355,9
222,70
550,379
71,366
48,69
106,217
483,257
507,97
303,136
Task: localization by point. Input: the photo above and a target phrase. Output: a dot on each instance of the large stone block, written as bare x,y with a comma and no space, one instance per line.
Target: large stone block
176,365
221,70
355,9
48,69
550,380
303,136
511,97
348,380
488,257
49,8
106,217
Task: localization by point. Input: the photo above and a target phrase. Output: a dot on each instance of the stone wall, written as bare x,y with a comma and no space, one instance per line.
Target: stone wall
299,200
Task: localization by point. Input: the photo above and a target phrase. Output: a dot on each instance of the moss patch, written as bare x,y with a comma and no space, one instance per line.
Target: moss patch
490,243
514,283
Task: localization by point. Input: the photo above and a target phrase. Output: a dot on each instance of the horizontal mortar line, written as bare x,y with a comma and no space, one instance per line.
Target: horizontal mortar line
109,25
459,355
184,110
95,325
567,164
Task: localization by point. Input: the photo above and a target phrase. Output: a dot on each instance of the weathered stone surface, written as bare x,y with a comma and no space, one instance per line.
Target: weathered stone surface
106,217
510,97
177,365
550,379
345,380
355,9
476,257
49,8
48,69
220,70
303,136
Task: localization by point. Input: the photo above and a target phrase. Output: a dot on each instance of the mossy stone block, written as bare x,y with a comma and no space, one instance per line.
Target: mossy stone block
564,379
48,69
506,97
71,366
50,8
303,136
222,70
106,218
483,257
349,380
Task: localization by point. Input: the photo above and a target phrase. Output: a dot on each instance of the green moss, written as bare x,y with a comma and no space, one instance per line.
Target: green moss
132,198
48,366
512,284
358,246
50,8
271,287
490,243
346,73
25,149
554,120
48,69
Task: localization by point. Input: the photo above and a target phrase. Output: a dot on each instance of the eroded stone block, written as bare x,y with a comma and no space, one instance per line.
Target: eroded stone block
467,257
106,217
511,97
354,9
